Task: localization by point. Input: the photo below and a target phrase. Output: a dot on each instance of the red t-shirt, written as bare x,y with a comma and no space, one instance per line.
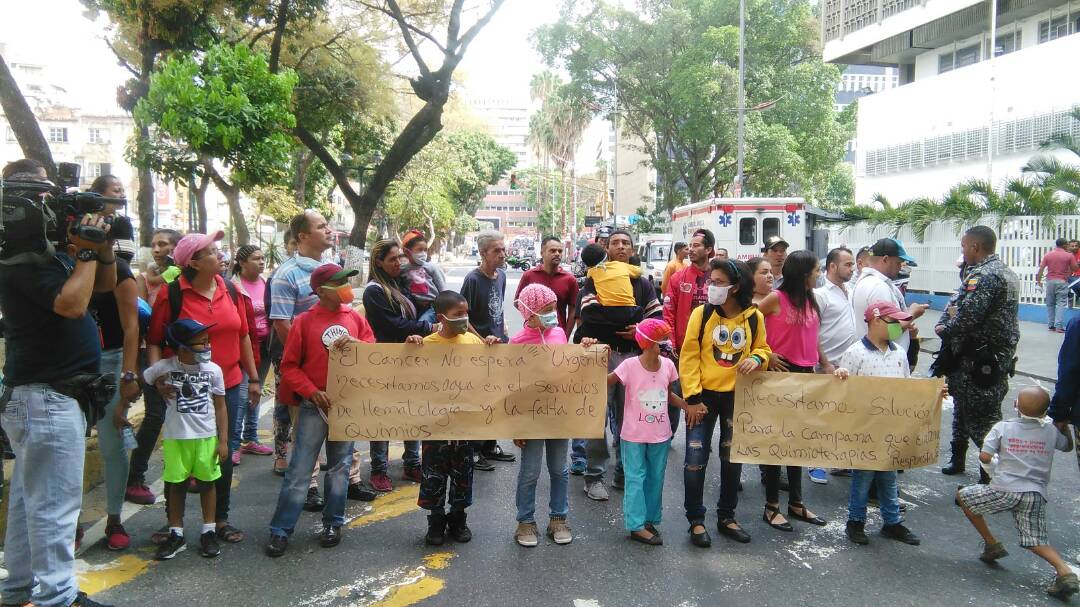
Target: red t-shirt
1059,264
229,329
563,283
304,364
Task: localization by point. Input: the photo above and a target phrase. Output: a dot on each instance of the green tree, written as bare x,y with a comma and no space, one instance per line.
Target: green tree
669,77
142,32
485,162
222,104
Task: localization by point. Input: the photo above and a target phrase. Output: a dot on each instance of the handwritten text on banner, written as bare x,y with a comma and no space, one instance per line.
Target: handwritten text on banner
863,423
452,392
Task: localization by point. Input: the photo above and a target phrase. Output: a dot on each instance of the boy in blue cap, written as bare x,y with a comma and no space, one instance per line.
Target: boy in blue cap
195,431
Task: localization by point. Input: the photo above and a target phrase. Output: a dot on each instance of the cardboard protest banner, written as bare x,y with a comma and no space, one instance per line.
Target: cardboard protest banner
863,423
455,392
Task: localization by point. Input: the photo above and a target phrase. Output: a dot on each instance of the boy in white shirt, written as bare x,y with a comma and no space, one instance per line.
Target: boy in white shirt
195,431
877,355
1025,448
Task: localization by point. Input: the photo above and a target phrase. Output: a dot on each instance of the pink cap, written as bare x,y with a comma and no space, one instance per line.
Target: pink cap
886,309
193,243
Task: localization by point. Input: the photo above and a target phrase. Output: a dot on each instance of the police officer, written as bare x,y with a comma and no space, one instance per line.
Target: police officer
978,340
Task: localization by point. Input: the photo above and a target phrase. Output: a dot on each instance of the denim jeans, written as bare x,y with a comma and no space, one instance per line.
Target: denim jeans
596,449
110,443
233,397
577,450
532,455
887,494
48,435
1057,300
311,431
149,430
380,456
247,429
643,493
721,406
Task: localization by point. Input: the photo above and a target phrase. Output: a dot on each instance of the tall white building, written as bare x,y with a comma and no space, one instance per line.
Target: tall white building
858,81
508,118
934,130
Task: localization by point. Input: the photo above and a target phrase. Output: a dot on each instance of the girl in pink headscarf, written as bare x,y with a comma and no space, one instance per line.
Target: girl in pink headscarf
536,303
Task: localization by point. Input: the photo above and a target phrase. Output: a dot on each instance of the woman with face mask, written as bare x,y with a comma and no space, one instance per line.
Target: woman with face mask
724,337
793,337
203,295
392,314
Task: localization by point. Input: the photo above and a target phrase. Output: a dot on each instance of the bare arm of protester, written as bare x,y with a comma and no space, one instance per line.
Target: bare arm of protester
826,364
221,417
128,309
612,379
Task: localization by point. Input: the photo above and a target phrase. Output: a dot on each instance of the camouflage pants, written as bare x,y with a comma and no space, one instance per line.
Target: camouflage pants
445,463
976,409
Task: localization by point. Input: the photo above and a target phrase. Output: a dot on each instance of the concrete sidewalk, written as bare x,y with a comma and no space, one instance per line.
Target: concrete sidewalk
1037,350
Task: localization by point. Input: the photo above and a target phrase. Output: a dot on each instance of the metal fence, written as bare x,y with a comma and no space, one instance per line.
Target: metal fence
1022,242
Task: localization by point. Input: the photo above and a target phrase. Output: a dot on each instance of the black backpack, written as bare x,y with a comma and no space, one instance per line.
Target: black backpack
707,313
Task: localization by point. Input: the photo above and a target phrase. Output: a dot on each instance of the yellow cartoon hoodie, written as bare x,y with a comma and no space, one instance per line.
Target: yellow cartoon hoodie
709,363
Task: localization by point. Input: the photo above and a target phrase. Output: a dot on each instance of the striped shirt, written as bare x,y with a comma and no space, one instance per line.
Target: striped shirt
290,291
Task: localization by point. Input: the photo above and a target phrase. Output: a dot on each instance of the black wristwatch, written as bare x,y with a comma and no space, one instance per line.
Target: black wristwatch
87,255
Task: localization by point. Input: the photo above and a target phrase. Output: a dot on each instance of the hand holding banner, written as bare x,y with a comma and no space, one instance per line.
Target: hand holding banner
454,392
862,423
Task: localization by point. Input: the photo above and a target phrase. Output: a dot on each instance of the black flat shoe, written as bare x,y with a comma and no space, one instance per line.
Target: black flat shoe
654,540
813,520
771,512
732,533
330,537
701,540
653,530
277,546
499,455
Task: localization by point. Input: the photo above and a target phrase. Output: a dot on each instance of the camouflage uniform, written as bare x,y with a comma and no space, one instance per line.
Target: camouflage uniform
982,337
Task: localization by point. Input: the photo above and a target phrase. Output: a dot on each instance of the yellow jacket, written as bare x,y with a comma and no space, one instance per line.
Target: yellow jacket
710,364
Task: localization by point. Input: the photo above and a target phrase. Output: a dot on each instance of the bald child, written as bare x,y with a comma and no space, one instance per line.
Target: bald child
1025,448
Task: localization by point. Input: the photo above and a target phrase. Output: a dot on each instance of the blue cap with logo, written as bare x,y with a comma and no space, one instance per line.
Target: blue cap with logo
891,247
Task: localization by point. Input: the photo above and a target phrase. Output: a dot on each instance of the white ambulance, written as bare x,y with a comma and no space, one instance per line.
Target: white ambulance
742,225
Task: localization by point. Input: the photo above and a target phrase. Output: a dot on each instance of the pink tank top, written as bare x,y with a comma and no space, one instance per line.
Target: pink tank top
792,335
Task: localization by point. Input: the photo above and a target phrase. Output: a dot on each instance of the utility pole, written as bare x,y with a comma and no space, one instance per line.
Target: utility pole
993,86
741,135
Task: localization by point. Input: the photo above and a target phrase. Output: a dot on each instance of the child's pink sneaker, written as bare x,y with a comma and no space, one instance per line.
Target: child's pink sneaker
116,538
382,483
255,448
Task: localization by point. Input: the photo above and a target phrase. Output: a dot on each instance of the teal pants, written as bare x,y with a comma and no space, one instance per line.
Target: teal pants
643,491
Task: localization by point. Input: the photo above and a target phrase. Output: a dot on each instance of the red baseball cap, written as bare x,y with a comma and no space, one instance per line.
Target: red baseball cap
886,309
328,272
193,243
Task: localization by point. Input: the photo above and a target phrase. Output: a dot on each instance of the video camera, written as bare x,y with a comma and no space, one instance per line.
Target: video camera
38,216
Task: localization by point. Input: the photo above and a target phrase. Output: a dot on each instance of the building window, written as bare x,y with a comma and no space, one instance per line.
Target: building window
58,134
1055,28
97,169
748,231
962,57
97,136
1007,43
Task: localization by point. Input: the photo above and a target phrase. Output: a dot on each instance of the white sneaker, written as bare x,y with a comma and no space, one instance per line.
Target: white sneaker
596,490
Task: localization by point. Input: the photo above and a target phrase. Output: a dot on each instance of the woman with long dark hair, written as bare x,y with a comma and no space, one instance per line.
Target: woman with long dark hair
247,276
204,296
724,337
792,331
393,318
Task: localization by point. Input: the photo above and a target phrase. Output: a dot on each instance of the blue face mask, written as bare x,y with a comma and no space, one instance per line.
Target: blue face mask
548,320
201,356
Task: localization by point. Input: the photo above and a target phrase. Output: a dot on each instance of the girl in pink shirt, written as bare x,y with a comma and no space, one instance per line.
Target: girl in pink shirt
646,430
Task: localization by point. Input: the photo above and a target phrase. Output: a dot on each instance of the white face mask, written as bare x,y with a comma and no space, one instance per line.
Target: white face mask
718,295
420,257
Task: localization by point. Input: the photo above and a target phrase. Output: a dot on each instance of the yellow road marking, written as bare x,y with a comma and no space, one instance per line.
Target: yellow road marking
96,578
390,505
421,585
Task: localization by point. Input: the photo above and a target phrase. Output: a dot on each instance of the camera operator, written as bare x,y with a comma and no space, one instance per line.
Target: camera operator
50,340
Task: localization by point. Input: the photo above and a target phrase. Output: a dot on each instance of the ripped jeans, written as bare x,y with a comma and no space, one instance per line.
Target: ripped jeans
721,406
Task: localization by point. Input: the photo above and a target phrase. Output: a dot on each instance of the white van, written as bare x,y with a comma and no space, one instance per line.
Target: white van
655,252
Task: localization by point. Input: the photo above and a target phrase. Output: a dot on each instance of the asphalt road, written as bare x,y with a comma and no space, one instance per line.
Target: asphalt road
383,559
